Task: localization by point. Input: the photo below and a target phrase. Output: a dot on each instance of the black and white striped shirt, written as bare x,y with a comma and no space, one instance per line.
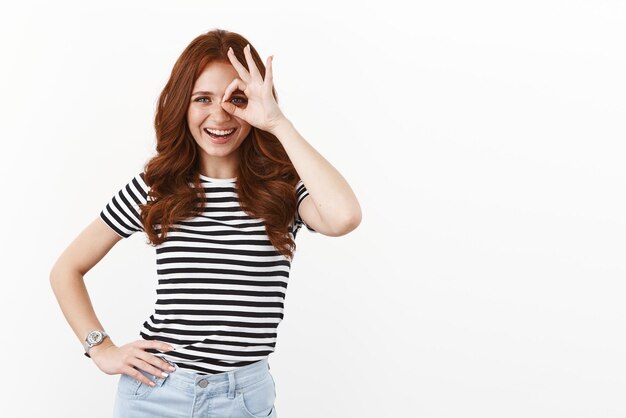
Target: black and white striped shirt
221,283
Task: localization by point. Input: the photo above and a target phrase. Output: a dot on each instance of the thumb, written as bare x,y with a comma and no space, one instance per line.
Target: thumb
232,109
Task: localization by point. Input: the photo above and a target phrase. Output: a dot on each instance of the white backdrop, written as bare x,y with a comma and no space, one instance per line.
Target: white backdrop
484,140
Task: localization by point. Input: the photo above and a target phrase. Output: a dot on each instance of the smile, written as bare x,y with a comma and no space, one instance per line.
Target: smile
219,136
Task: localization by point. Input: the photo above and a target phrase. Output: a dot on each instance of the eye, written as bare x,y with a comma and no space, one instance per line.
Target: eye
199,98
242,100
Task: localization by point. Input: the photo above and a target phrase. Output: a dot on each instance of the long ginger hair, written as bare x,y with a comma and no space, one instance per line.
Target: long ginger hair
266,178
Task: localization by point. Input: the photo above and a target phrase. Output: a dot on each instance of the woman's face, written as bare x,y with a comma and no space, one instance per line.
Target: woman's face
206,113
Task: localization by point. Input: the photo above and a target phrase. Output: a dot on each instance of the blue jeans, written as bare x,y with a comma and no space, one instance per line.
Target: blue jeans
246,392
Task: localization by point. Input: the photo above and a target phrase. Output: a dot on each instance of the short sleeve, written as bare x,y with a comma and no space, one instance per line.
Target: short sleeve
122,212
301,193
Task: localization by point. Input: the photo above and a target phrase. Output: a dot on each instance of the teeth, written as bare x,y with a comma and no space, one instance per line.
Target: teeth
219,132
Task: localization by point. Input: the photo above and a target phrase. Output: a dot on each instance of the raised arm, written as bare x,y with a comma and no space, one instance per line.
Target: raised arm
331,207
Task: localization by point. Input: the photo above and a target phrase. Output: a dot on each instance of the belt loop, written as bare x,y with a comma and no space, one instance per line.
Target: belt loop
231,384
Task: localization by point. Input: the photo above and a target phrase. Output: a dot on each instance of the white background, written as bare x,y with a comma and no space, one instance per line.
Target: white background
484,140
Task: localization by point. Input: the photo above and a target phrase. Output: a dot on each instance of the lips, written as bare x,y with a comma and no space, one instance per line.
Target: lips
220,139
220,132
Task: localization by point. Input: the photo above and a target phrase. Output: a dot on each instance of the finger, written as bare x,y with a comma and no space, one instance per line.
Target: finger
269,74
137,375
241,70
161,346
158,362
234,85
140,353
254,71
143,362
155,344
233,110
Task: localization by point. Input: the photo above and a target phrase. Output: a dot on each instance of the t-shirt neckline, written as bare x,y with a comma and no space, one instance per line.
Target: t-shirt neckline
216,180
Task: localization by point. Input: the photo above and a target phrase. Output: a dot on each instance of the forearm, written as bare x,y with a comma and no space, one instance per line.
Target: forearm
69,288
334,199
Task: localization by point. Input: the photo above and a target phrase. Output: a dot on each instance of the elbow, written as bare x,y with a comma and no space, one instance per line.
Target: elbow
55,276
52,274
57,270
60,272
350,223
354,219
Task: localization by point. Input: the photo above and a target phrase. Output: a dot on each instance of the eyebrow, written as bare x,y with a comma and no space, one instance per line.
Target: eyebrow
208,93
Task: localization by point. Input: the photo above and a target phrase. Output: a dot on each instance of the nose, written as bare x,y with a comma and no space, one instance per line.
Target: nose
218,113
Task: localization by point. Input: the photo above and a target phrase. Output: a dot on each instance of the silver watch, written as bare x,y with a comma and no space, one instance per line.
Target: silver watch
94,338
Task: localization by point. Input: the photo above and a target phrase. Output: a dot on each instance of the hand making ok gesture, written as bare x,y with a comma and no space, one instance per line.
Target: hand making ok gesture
261,111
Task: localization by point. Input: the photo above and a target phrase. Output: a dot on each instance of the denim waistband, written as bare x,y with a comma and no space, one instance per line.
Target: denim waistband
225,382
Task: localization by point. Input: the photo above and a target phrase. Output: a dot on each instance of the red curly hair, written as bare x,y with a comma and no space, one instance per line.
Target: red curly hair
266,178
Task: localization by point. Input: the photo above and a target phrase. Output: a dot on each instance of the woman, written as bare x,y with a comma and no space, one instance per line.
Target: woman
222,201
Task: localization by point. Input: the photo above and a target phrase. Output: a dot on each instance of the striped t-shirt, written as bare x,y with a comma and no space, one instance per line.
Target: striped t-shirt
221,283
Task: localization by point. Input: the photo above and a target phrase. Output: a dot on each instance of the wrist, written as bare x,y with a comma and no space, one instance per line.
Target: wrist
283,126
106,343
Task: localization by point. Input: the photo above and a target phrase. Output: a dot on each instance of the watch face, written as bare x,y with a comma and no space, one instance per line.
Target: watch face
94,337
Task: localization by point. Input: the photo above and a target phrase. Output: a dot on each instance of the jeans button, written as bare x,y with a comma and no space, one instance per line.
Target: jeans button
203,383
